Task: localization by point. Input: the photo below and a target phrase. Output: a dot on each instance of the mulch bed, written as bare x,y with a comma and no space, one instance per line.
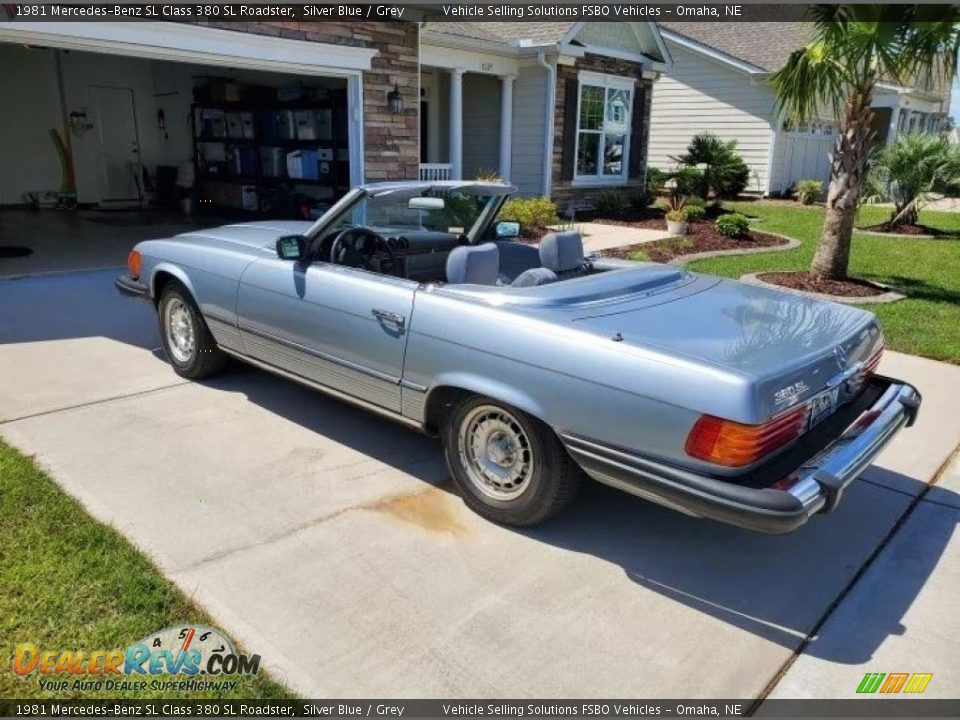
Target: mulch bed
802,280
904,229
701,236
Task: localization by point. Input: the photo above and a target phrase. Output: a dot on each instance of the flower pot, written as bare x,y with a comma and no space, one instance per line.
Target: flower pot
677,227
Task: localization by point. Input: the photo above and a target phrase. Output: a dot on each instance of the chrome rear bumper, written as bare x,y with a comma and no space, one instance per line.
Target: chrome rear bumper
819,485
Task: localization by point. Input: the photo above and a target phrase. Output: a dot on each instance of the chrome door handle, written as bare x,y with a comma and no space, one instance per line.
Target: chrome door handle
390,317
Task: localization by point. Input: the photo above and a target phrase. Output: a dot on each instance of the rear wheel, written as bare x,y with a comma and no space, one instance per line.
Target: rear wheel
187,340
509,466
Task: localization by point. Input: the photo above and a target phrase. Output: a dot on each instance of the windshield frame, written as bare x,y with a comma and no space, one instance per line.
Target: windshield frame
341,210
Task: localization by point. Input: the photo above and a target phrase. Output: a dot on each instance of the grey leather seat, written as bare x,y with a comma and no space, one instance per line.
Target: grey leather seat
474,264
515,258
563,253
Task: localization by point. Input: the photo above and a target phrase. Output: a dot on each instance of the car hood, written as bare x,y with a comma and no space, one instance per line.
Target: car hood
253,235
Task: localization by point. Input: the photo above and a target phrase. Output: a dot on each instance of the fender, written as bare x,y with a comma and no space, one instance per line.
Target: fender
490,388
176,272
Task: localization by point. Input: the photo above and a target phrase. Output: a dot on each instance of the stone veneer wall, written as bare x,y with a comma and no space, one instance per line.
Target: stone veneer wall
391,143
564,193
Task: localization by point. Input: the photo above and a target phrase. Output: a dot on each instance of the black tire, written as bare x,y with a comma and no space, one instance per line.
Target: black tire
514,438
206,358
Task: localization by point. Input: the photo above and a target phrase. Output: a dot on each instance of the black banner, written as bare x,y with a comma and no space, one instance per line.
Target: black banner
418,709
402,11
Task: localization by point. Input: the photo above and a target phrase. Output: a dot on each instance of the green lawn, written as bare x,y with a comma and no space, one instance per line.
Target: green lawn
927,271
69,582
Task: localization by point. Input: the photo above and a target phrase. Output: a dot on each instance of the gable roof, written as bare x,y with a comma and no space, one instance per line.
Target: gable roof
764,45
506,33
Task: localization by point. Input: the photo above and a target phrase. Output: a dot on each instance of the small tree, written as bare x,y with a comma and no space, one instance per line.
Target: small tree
908,170
725,174
853,48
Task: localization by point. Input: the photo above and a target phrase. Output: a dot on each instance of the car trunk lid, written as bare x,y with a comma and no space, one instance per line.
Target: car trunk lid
792,347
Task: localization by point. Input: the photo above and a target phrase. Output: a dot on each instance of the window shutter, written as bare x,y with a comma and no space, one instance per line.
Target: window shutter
570,101
638,122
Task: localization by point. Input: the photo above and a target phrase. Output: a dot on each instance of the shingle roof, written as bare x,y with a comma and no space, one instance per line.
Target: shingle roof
507,33
767,45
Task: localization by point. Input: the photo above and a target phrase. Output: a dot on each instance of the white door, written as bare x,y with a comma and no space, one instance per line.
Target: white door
118,160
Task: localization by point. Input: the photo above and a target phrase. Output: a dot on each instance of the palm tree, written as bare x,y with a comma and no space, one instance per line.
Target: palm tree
852,49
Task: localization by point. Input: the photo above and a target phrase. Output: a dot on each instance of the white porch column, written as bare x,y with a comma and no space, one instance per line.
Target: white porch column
506,125
456,124
894,124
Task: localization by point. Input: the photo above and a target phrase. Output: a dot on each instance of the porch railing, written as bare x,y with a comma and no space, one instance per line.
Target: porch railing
435,171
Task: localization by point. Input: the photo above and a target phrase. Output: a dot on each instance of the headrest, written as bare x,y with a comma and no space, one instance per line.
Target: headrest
474,264
561,251
534,277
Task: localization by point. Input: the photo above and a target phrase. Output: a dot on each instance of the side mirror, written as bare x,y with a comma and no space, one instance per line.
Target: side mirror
291,247
507,229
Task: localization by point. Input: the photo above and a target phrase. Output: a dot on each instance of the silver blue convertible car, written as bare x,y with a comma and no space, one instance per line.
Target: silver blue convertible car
536,365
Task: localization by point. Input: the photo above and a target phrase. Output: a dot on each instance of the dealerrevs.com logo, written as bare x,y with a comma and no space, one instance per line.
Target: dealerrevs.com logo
183,652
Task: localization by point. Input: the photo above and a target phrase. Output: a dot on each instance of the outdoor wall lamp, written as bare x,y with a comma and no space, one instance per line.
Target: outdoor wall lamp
395,99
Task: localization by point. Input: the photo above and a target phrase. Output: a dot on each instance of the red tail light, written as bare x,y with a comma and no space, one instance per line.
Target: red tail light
733,444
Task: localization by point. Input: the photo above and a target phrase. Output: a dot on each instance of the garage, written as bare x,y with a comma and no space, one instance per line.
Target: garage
119,131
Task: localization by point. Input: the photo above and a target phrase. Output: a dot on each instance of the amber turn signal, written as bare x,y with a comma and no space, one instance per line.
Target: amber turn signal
733,444
133,264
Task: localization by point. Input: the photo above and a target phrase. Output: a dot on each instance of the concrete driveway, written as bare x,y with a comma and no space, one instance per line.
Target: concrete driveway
330,541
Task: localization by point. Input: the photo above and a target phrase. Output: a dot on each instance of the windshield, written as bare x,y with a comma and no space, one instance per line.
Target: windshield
444,210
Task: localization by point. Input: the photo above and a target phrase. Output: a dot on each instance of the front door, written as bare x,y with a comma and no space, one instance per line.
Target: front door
118,151
334,325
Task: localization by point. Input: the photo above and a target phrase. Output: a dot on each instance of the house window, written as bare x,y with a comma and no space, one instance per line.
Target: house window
603,127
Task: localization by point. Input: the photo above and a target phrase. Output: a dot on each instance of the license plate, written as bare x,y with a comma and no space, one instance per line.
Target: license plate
822,405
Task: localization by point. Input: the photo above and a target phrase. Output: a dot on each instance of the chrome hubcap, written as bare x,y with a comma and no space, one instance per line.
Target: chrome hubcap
180,331
495,452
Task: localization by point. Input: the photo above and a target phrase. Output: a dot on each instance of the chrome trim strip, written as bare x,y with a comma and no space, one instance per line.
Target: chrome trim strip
410,385
322,355
389,414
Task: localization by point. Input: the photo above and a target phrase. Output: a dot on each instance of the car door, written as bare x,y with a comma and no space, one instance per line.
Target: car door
341,327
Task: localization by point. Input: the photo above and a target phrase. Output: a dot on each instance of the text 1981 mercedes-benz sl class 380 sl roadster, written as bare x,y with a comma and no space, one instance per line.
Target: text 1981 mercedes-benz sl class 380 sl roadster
537,364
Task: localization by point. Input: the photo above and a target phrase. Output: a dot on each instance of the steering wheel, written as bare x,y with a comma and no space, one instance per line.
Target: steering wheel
342,253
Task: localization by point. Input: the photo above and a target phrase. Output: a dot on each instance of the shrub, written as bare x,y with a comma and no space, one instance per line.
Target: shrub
910,169
675,207
488,176
733,225
808,191
726,175
695,212
690,182
531,213
611,203
656,179
640,199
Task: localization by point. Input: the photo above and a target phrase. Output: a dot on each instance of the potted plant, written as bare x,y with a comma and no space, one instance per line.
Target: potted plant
676,214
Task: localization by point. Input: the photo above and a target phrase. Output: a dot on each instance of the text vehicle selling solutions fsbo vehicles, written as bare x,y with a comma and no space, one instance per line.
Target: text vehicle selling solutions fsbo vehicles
536,365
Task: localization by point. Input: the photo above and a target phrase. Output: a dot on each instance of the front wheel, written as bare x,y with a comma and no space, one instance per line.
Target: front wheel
510,467
187,340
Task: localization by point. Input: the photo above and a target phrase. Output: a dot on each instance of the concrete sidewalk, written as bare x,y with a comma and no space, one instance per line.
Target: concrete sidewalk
601,236
329,540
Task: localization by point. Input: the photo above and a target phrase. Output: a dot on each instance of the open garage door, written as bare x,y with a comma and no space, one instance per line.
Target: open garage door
228,120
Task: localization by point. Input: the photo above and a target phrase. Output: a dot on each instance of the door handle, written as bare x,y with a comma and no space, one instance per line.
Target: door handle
387,316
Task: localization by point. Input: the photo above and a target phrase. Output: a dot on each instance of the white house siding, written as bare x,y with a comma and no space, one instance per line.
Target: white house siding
701,95
481,124
529,101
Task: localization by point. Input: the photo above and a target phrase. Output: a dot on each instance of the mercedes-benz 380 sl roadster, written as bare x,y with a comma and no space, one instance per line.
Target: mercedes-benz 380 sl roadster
535,365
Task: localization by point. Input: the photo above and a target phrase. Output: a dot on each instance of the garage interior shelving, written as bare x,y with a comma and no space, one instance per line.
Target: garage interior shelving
241,149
